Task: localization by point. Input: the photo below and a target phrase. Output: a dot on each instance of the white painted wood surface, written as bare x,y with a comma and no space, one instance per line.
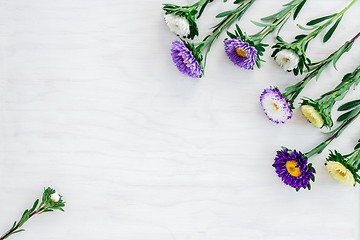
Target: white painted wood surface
91,104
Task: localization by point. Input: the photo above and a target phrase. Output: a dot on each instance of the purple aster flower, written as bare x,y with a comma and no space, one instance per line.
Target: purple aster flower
184,60
292,167
241,53
276,107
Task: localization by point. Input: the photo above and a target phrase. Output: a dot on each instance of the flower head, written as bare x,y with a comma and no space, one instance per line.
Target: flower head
241,53
55,197
312,115
52,200
177,24
287,59
292,167
276,107
344,168
340,173
185,60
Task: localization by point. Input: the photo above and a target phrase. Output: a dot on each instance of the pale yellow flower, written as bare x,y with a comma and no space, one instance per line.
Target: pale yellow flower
312,115
340,173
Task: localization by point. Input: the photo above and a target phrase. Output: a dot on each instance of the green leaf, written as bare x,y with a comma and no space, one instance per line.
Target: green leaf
331,31
357,146
231,35
202,10
318,20
226,13
269,17
298,9
349,105
239,30
35,205
348,115
298,37
21,230
306,28
279,38
262,24
238,1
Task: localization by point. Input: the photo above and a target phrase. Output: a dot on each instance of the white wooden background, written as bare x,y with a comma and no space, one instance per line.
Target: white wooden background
91,104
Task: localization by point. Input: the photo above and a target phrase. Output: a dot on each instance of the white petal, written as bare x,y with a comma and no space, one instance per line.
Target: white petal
55,197
287,59
340,173
178,25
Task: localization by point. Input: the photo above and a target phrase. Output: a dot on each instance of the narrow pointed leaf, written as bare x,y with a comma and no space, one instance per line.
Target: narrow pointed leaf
331,31
262,24
349,105
319,20
226,13
298,9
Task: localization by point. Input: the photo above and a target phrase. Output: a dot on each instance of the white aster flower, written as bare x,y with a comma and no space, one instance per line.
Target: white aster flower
312,115
287,59
55,197
275,106
340,173
177,24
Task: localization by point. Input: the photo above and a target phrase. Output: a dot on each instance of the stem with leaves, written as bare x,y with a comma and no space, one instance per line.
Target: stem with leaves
346,119
50,201
278,18
304,39
292,92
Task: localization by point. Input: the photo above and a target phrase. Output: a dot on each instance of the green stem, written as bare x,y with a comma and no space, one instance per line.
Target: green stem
207,42
20,224
322,146
314,33
342,89
197,4
271,28
227,22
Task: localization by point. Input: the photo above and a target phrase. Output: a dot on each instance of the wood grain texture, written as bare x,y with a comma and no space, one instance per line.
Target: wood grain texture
91,104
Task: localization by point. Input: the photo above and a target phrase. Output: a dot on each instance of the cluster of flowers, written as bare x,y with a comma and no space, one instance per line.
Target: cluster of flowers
293,168
246,51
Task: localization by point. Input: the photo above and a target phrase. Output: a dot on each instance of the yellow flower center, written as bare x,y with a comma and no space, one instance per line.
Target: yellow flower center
241,52
276,107
292,168
286,60
343,174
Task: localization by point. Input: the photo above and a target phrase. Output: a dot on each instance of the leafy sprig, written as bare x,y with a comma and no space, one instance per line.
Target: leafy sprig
292,92
278,18
47,205
301,42
325,103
